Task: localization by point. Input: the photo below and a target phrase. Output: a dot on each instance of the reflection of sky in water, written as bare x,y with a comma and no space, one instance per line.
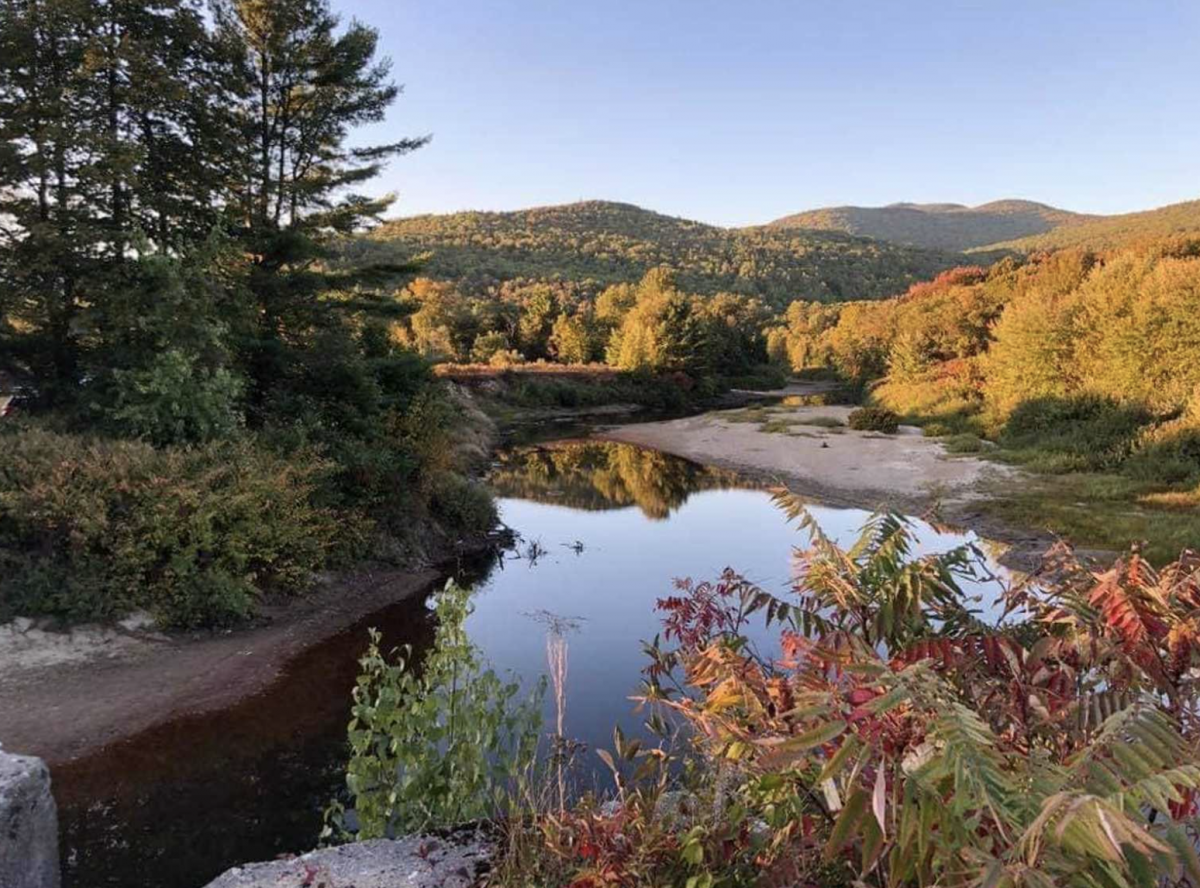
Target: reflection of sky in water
627,563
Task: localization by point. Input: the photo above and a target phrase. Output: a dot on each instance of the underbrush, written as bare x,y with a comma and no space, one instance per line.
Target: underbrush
873,419
891,737
1072,434
92,529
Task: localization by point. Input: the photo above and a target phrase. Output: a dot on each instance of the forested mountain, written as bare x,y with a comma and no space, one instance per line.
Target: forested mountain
942,226
1106,232
611,243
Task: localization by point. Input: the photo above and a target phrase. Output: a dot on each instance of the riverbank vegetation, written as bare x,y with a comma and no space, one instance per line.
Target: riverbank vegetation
892,737
209,409
1074,365
650,332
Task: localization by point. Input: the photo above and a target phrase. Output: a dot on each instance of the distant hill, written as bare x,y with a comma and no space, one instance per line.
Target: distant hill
1106,232
947,226
610,242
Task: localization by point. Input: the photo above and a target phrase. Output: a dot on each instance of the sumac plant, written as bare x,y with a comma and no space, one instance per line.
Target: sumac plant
896,739
434,743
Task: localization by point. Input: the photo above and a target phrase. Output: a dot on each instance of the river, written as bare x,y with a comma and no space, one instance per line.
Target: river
604,529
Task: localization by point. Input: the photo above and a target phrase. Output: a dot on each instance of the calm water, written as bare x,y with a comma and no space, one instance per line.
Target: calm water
614,525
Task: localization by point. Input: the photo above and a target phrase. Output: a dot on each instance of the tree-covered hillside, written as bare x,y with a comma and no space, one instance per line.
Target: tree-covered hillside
1106,232
938,226
617,243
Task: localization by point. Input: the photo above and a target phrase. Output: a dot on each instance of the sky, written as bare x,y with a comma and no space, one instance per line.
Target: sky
741,111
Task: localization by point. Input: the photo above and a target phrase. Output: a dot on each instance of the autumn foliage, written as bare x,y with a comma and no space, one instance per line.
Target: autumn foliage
896,737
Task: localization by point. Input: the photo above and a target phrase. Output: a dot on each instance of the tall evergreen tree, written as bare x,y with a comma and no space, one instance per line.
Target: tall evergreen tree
50,243
305,86
112,117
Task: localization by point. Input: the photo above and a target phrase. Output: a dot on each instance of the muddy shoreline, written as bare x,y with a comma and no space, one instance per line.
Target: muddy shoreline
133,680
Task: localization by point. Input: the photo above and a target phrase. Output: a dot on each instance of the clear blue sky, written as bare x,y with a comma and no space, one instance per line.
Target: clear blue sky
739,111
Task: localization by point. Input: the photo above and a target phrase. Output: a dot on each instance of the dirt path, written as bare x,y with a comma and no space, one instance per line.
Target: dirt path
65,694
811,452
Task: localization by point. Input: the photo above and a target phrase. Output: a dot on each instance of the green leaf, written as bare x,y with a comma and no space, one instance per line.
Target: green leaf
848,824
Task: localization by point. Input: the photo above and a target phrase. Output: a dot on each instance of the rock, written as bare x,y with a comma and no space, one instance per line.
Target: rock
410,862
28,824
137,622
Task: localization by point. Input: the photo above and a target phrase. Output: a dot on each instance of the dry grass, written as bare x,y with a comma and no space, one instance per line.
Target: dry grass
466,373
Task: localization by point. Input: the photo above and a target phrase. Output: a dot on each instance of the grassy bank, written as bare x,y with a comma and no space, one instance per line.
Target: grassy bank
1077,366
1099,473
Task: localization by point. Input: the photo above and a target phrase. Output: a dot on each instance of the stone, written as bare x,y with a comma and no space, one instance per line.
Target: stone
138,621
456,861
28,824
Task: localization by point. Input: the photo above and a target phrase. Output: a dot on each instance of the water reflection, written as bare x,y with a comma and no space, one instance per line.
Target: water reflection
601,475
607,566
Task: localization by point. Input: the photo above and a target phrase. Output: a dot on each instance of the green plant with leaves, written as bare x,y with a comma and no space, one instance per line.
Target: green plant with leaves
436,742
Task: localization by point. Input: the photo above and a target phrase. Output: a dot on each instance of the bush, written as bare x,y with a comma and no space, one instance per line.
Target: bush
93,529
174,400
873,419
435,743
964,443
1168,453
506,357
462,505
487,346
1074,433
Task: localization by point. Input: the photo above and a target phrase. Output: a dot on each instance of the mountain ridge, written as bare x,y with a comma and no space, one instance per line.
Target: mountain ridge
599,242
941,226
612,242
1105,232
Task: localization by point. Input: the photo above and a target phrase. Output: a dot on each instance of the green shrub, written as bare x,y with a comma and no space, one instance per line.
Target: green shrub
1073,433
1168,453
174,401
873,419
964,443
436,743
92,529
823,422
463,506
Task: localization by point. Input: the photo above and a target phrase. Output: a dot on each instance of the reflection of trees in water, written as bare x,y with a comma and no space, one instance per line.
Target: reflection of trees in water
598,475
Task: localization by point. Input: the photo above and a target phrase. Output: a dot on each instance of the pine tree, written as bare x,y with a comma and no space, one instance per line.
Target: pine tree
304,87
50,245
111,129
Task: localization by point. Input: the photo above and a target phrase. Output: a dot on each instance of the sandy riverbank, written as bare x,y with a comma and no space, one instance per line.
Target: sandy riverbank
66,694
837,466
